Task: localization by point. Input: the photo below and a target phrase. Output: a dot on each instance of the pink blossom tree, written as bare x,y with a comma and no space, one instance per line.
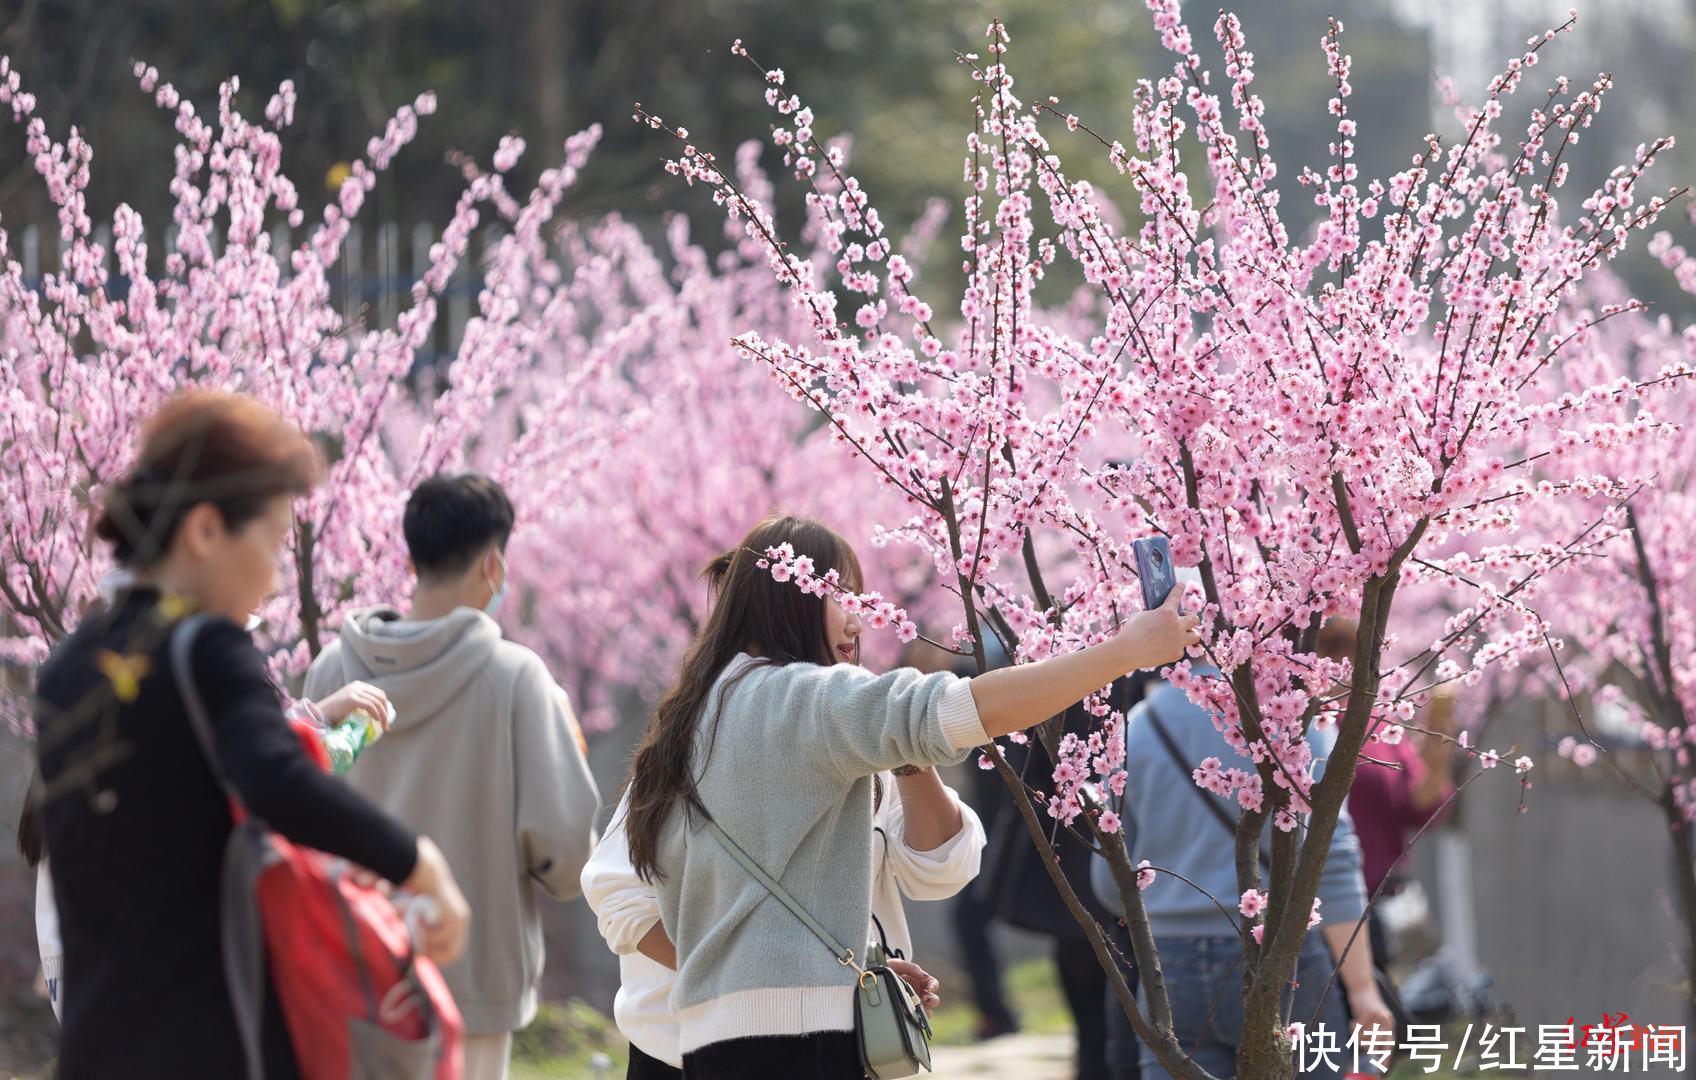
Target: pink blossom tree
90,353
1314,424
1627,608
597,380
649,447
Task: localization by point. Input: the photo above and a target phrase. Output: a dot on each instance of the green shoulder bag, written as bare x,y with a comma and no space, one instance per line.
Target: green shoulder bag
889,1020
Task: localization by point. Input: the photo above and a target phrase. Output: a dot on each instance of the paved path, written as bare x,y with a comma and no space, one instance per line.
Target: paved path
1011,1057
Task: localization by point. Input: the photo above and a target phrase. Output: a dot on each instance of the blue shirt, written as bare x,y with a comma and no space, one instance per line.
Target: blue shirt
1165,823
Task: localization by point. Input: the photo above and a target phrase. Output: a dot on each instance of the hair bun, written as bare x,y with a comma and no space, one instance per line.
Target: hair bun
121,501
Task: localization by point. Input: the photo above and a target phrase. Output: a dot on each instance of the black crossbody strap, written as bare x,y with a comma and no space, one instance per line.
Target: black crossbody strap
1177,756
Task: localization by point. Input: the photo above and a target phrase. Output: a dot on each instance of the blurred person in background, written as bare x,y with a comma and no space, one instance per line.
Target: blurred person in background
484,753
970,915
1398,788
332,710
1167,820
1017,887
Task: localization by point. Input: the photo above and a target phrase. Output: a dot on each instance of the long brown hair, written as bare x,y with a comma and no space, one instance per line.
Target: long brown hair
751,612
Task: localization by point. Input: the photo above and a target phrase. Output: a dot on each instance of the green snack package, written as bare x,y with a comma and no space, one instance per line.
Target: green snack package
346,740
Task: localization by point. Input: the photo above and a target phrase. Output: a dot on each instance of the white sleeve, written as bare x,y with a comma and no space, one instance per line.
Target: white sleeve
625,906
47,936
941,872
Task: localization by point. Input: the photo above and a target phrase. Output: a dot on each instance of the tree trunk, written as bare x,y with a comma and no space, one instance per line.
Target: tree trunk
305,543
548,55
1264,1054
1684,873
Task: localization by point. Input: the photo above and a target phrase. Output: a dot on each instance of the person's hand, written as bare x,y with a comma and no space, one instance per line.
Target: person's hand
923,983
356,695
368,879
442,937
1368,1010
1158,637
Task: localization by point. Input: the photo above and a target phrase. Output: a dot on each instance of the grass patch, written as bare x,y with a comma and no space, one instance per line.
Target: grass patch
1033,991
566,1041
565,1037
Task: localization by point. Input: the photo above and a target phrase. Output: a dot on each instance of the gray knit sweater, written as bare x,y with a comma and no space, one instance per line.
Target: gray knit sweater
788,777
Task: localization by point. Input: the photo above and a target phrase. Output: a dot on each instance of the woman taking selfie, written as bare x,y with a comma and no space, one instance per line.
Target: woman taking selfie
134,819
774,733
927,845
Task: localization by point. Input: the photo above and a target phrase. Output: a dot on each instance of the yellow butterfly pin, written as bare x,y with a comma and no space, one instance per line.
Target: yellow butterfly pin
123,672
174,606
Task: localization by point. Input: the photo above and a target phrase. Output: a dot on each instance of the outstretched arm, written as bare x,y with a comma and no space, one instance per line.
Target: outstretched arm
1014,698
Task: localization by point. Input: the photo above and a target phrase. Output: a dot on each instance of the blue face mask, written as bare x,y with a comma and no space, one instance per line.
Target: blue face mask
494,603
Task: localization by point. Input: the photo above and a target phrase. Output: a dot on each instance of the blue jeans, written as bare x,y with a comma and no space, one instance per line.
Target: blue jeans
1204,975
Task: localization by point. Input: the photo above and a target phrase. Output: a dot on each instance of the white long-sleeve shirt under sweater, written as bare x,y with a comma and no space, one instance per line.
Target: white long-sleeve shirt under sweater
809,739
627,908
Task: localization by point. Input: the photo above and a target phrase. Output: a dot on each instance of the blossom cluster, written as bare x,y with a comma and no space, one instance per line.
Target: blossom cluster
596,381
1408,400
872,609
1626,607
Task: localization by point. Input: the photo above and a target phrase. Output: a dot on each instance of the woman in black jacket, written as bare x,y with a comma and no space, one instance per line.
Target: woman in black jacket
134,822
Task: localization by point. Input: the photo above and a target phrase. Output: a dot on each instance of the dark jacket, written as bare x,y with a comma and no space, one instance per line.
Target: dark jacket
1014,881
136,825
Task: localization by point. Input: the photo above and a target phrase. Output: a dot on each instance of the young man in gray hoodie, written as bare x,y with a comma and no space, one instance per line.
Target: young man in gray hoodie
483,755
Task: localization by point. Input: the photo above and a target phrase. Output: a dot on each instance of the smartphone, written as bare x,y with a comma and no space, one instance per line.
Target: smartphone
1154,567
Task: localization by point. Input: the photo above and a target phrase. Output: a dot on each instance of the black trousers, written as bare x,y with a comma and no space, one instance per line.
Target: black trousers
822,1055
1084,985
643,1067
983,966
1124,1049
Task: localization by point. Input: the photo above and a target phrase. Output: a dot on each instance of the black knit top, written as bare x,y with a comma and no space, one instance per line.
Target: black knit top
136,827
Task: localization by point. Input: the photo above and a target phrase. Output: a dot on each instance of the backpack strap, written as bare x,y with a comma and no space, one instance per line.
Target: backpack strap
1177,757
182,668
845,957
243,942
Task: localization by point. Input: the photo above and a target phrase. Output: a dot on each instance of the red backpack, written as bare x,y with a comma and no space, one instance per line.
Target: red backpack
358,1002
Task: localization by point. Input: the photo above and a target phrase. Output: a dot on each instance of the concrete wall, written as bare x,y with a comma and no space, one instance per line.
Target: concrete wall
1572,897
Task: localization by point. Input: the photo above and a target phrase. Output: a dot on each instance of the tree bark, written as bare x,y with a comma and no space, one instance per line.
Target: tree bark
305,544
1684,875
548,60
